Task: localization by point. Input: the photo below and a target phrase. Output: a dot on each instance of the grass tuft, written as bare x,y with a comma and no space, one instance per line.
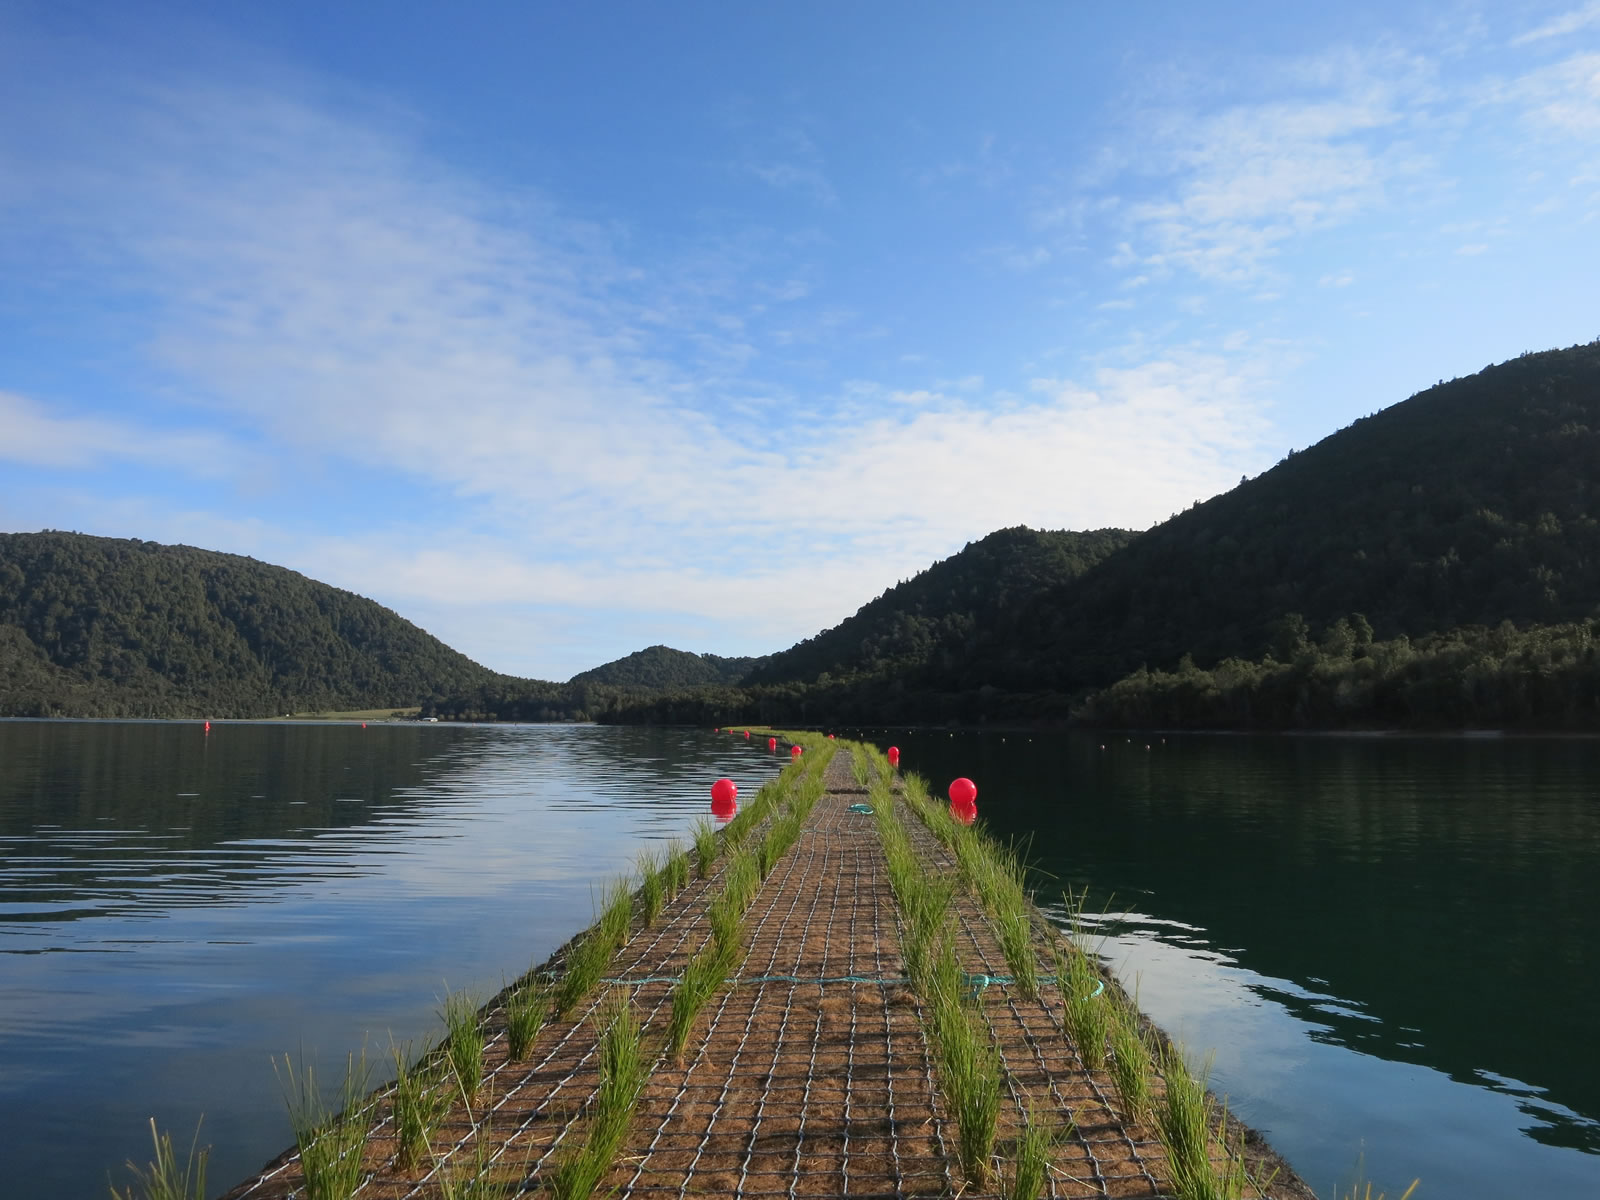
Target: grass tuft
463,1042
330,1141
162,1179
476,1178
1036,1147
623,1072
1087,1016
1130,1067
526,1008
417,1107
652,886
705,848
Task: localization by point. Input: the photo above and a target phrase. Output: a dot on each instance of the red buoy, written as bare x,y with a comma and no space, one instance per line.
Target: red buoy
965,813
772,743
794,751
208,726
724,799
894,756
963,792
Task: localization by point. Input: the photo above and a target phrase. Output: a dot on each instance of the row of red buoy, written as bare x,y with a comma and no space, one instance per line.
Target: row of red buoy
963,792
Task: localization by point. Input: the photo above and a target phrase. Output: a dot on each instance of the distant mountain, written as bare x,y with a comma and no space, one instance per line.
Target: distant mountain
93,626
931,621
661,668
1472,504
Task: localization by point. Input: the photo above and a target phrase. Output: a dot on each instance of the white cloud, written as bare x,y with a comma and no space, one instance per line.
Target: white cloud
1563,98
32,435
1567,23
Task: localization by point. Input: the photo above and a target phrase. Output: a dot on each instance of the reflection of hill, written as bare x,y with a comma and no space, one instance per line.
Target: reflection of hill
103,817
1445,888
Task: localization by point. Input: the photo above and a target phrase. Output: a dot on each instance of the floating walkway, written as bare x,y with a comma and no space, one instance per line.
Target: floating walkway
812,1064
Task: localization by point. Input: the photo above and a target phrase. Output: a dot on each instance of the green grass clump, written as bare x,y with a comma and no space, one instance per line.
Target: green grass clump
1035,1151
1183,1124
416,1106
162,1179
705,848
476,1178
1130,1067
586,965
1087,1016
1015,929
330,1141
701,979
623,1072
969,1068
675,869
526,1008
463,1042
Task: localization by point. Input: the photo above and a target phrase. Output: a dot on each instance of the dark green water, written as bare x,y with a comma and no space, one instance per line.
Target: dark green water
176,909
1392,945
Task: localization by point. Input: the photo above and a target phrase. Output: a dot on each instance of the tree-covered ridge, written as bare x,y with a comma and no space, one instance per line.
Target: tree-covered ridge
93,626
933,619
1473,502
661,668
1543,677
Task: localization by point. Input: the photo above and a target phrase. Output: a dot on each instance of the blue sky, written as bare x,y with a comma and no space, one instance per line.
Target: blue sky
567,329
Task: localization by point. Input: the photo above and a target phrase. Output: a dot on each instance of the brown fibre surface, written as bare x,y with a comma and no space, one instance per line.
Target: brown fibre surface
790,1088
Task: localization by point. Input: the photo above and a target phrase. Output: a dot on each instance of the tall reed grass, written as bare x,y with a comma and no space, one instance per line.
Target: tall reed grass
416,1106
705,848
163,1179
463,1042
623,1072
330,1139
526,1008
1036,1146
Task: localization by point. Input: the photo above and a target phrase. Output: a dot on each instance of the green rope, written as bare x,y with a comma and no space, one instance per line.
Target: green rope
977,982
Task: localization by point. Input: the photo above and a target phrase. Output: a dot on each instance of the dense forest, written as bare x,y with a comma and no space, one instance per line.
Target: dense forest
1543,677
663,669
101,627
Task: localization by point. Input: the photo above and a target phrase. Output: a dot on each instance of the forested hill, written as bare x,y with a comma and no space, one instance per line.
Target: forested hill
931,621
661,668
93,626
1472,503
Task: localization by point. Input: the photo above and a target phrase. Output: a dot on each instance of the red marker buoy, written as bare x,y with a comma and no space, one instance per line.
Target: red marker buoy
717,729
794,751
894,756
964,800
772,743
363,724
830,737
747,735
208,726
724,799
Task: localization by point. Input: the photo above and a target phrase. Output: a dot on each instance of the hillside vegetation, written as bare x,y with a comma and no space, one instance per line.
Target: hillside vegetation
661,669
93,626
1469,505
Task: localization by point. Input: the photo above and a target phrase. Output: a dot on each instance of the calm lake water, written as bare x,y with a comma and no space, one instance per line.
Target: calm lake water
1390,945
176,908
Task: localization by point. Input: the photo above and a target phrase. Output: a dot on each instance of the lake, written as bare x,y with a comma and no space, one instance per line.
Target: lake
177,908
1387,944
1391,945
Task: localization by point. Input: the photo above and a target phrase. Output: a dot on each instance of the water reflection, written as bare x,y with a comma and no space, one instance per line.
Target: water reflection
1389,942
176,909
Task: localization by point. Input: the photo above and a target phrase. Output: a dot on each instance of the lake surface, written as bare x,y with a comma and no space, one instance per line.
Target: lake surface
1391,945
176,908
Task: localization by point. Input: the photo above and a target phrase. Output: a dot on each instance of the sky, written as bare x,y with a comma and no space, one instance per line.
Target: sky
564,330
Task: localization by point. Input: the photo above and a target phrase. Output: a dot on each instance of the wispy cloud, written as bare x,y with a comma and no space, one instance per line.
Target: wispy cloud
32,435
1567,23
